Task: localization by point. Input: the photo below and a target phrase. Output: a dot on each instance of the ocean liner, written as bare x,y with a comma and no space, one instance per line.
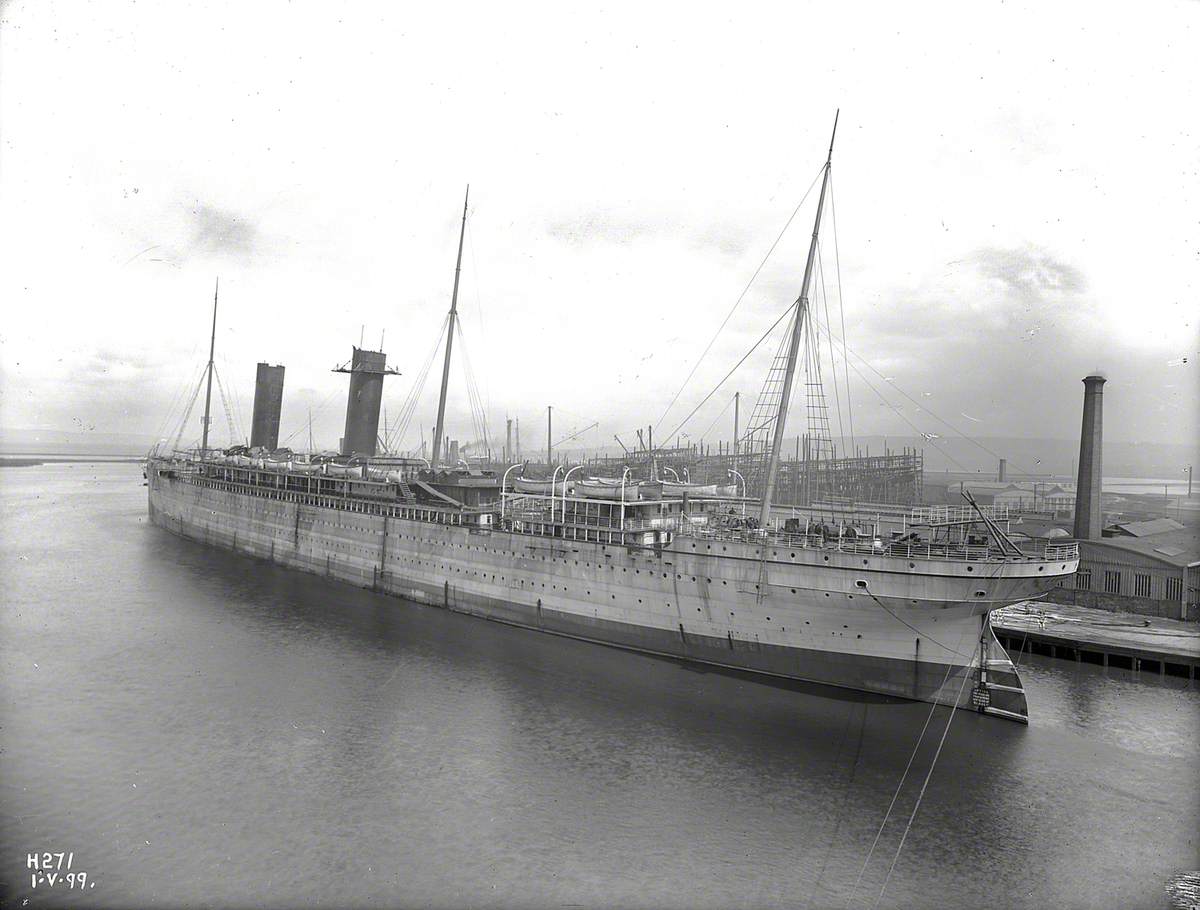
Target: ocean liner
898,607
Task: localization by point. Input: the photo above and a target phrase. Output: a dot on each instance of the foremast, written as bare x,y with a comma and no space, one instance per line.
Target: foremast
441,414
794,347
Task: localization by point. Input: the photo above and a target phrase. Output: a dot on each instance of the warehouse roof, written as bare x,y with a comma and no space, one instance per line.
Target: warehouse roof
1148,528
1179,548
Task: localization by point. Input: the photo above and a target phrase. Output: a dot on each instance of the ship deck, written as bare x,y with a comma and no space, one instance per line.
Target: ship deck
641,523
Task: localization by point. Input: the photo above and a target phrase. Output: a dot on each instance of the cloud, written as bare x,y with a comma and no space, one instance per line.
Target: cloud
603,227
725,239
217,232
625,229
1029,274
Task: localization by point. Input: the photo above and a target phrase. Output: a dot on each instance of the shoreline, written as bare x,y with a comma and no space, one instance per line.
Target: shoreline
21,461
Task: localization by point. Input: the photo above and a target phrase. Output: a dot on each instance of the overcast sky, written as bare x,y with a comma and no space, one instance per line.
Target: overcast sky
1016,191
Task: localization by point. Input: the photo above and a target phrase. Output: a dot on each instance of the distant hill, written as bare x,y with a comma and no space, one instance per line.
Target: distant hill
1042,456
26,441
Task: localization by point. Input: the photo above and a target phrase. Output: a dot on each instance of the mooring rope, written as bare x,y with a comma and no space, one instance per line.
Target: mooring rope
921,795
904,775
896,795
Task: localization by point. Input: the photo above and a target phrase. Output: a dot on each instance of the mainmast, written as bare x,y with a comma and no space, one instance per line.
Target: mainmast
794,346
437,433
212,347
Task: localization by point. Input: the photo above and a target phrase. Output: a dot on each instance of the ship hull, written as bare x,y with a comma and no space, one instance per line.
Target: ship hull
683,605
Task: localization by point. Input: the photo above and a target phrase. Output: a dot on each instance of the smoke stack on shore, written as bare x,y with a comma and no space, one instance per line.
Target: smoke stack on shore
1089,516
366,369
268,402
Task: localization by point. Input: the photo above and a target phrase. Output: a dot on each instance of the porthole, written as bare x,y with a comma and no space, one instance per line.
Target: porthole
860,584
981,593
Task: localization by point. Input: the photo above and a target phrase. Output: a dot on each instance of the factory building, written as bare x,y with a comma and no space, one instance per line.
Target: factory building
1152,575
1018,496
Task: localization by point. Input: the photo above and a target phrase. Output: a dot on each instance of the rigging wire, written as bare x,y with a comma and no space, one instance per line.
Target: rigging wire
841,308
407,410
168,420
575,435
922,407
724,411
717,387
765,412
478,415
837,397
180,395
235,401
308,420
740,297
926,436
225,404
479,309
191,404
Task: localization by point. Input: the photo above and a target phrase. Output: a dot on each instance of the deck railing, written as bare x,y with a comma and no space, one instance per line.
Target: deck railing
939,515
874,546
599,522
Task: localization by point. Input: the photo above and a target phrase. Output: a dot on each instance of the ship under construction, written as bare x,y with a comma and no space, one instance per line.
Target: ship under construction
695,569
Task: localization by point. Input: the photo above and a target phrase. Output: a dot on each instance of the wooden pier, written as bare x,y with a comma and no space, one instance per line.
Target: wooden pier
1166,646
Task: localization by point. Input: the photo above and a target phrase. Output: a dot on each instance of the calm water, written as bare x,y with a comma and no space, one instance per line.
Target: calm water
202,728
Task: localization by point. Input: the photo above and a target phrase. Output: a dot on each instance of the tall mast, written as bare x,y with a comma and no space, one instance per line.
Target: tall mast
212,347
437,433
549,446
794,346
